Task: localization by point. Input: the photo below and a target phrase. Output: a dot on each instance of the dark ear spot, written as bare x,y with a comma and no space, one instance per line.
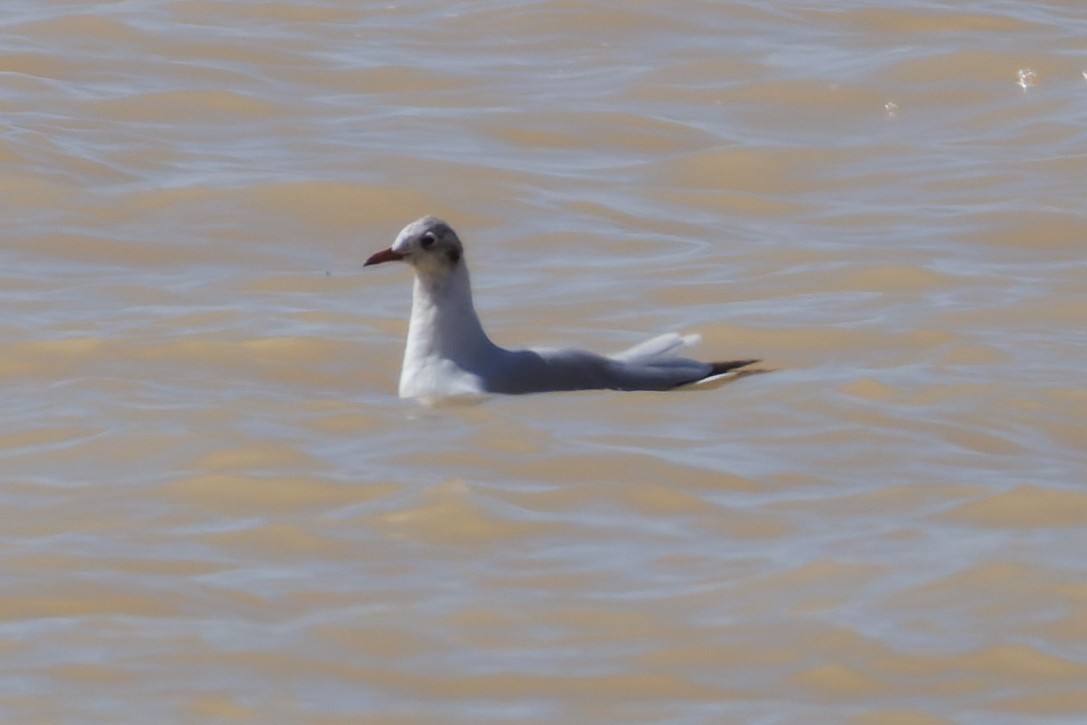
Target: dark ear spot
454,255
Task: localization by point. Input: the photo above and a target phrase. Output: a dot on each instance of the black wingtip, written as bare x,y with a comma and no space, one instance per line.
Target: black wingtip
719,368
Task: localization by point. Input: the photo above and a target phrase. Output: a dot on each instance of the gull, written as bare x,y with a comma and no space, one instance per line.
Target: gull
448,355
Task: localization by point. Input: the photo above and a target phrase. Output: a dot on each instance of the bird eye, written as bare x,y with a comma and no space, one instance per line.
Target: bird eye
428,240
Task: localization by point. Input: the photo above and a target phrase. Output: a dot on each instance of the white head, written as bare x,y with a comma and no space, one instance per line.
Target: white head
428,244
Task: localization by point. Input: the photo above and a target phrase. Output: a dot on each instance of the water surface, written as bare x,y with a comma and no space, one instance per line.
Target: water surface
215,509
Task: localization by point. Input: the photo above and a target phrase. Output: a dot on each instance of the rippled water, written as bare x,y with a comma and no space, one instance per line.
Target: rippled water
215,509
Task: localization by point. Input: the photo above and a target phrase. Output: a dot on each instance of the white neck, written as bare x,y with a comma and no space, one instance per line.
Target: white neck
444,324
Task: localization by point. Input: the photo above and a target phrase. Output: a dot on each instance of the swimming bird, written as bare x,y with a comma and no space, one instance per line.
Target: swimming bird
448,354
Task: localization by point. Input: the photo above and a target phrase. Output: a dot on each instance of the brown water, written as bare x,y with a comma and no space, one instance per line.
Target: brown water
213,507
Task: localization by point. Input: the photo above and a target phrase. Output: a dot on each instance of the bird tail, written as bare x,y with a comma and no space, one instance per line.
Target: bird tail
659,347
720,368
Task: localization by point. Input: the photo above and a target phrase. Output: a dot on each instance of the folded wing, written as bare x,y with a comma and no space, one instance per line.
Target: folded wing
651,365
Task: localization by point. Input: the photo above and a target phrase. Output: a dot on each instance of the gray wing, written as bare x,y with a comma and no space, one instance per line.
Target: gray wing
537,371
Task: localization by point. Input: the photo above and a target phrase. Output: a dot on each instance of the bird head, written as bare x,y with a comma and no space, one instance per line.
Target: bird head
428,244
